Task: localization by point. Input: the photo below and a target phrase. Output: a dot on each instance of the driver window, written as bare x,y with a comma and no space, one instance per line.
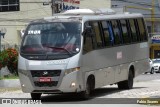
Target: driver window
88,41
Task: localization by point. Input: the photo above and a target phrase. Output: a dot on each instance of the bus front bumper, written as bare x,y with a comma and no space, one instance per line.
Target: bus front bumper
66,84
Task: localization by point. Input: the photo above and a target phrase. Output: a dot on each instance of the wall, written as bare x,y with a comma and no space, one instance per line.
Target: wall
30,10
15,21
95,4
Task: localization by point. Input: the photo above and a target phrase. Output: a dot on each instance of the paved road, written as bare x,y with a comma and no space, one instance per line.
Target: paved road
148,77
145,86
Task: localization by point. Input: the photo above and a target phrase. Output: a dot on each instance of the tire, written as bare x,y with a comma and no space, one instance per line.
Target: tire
152,71
145,72
127,84
36,96
86,94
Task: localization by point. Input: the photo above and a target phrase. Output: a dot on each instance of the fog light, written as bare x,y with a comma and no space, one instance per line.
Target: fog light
23,85
73,84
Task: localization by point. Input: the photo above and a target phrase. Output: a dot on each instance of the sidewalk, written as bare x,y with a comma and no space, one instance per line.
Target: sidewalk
10,83
143,89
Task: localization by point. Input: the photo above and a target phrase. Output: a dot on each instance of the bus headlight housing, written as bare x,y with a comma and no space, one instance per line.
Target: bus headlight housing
71,70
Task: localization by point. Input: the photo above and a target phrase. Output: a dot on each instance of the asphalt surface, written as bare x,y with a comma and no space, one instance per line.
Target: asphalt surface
147,77
145,86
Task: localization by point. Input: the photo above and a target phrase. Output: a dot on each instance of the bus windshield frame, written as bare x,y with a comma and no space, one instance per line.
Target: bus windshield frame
52,40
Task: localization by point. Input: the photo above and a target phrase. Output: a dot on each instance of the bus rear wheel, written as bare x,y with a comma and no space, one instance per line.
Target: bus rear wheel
36,96
127,84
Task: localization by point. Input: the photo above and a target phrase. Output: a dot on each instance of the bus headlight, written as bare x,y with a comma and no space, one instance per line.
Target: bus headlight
71,70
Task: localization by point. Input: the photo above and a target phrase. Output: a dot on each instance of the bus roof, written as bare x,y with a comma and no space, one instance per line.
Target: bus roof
88,14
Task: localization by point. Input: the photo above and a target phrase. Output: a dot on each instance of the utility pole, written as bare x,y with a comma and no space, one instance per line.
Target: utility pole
152,15
0,41
53,7
2,33
56,6
152,19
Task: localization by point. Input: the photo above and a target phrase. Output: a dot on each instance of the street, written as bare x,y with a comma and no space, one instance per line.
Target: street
145,86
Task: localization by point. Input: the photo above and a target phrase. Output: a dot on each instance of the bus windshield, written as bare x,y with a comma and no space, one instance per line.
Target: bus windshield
54,38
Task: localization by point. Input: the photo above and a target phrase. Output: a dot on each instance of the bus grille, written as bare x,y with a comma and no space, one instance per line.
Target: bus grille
45,73
46,84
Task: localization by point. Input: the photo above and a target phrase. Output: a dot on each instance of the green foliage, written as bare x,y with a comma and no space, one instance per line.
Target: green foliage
9,58
9,77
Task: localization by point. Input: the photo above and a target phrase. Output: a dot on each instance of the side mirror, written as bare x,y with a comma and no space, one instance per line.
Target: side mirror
88,31
22,32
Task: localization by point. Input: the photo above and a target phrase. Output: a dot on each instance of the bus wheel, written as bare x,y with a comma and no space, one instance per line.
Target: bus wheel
152,71
86,94
36,96
127,84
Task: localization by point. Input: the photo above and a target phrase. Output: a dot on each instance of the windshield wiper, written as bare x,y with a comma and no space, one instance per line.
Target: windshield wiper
60,49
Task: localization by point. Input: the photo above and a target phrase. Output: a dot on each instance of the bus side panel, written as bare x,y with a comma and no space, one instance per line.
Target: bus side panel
111,65
100,77
142,63
110,75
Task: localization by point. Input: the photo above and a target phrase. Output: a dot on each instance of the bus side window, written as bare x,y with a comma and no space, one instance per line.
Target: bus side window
98,36
142,29
116,32
105,30
110,32
137,30
133,30
145,30
87,42
126,36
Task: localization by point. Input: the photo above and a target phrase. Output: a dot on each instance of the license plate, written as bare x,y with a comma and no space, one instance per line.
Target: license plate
44,79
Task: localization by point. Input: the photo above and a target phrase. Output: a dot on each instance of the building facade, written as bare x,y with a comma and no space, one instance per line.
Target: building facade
15,21
149,8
